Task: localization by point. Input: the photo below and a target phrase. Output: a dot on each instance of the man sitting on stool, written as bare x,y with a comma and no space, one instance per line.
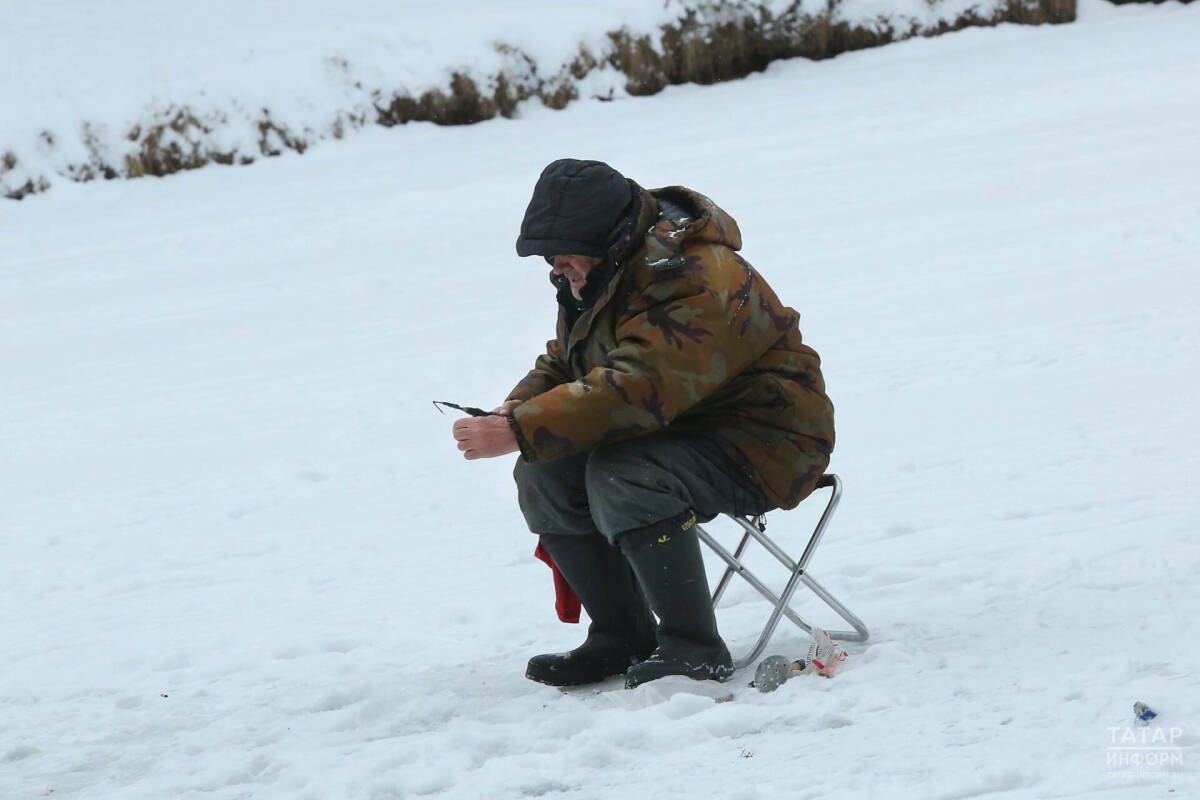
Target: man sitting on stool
677,388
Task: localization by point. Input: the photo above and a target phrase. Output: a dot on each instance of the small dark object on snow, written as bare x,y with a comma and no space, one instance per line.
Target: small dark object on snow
1142,713
774,671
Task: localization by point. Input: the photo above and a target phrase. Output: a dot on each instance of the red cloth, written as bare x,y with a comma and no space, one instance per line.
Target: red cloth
566,602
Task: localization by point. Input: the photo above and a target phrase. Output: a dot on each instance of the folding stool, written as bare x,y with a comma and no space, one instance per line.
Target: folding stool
798,574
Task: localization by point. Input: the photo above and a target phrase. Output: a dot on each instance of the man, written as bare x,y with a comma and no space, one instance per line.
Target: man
677,388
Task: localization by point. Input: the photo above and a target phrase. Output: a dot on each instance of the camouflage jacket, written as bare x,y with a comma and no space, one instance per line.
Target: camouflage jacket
685,336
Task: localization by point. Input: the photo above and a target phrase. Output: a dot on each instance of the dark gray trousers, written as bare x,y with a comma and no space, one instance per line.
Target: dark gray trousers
632,484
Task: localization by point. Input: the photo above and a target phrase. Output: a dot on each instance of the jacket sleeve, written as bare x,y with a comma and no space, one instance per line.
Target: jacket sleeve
683,339
548,371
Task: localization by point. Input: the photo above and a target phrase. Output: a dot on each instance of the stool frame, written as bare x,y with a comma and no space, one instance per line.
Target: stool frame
798,575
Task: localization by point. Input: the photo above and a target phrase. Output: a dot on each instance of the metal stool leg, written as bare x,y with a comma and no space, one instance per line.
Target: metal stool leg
797,576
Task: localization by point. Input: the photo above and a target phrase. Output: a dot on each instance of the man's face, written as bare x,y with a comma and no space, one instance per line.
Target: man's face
575,269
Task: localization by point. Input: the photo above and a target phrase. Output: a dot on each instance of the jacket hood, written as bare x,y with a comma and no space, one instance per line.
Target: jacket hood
686,216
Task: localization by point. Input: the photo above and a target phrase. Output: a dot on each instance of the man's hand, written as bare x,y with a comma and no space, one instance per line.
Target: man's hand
485,437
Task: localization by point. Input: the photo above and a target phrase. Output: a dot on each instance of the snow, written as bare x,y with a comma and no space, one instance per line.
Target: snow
241,556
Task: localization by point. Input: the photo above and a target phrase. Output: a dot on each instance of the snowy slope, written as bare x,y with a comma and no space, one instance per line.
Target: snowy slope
240,556
131,88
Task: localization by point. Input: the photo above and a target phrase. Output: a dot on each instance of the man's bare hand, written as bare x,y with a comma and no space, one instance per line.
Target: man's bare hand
485,437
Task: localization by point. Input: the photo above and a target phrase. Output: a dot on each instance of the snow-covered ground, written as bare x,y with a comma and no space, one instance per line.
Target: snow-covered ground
240,556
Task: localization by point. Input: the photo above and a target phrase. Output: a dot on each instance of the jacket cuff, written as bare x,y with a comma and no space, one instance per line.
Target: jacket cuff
526,451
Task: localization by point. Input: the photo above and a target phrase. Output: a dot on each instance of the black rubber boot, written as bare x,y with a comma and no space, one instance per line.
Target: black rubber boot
666,559
622,628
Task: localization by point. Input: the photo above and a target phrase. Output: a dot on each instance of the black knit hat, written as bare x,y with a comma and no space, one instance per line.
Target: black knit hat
575,208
